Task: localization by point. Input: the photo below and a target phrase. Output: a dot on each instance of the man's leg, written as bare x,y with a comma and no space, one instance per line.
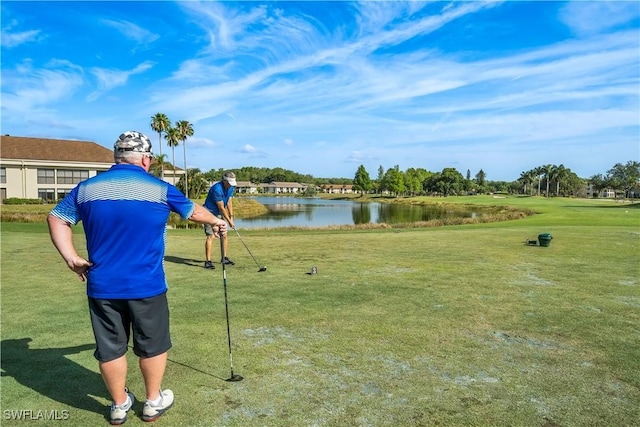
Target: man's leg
208,243
114,374
152,369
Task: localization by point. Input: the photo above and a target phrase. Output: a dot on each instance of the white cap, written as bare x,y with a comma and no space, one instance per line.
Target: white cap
230,177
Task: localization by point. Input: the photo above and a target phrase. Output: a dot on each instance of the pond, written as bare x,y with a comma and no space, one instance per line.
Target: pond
311,212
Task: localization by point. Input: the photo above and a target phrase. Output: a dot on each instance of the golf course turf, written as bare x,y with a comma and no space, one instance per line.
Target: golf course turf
462,325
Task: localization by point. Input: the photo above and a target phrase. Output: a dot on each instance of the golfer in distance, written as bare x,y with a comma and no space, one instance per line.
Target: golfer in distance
219,201
124,212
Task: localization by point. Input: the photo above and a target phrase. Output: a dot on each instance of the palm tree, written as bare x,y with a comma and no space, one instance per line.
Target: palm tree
548,171
537,172
524,179
559,173
172,136
160,123
185,130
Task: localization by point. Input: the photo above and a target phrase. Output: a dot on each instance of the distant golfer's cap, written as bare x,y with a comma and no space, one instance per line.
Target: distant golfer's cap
133,141
230,177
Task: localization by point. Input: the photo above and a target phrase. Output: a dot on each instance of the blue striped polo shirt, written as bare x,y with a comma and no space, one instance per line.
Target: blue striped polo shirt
124,212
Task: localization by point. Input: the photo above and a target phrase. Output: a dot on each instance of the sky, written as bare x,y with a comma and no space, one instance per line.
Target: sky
321,88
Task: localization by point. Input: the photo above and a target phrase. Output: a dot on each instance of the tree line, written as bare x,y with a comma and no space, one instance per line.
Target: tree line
545,180
548,180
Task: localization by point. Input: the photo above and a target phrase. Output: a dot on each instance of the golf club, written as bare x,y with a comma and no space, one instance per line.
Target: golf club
233,377
261,268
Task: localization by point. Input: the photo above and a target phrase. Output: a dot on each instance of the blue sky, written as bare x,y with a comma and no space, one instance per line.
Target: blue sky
323,87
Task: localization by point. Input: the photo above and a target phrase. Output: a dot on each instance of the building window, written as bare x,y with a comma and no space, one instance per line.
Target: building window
47,194
62,193
46,176
66,176
3,175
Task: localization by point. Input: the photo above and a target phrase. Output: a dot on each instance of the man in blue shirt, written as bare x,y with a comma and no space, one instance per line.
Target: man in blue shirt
219,201
124,213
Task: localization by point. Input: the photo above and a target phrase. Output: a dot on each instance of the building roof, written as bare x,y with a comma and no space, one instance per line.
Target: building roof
286,184
332,186
23,148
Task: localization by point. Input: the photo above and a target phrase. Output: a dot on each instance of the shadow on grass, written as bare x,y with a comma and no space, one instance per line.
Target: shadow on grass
185,261
195,369
48,372
618,205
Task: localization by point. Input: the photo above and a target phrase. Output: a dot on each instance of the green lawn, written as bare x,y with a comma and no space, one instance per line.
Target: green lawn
451,326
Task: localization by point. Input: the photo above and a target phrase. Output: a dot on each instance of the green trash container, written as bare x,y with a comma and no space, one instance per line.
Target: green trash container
545,239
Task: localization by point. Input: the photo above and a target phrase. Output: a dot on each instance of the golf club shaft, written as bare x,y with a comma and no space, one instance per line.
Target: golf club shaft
226,307
245,245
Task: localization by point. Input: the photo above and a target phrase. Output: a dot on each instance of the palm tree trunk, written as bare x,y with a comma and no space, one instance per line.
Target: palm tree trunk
173,160
186,172
160,147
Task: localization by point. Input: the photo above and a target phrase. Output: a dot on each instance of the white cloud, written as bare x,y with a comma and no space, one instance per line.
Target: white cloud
110,79
29,90
593,17
11,40
131,31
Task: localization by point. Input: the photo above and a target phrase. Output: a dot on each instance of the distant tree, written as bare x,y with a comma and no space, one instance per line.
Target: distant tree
539,172
198,184
157,167
528,178
361,181
185,130
559,174
573,185
497,186
548,173
379,179
624,177
160,123
277,175
515,187
172,136
598,183
394,181
413,180
213,176
450,182
480,180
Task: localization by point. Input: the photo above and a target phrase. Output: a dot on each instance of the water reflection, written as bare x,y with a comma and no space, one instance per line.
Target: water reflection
394,213
361,213
301,212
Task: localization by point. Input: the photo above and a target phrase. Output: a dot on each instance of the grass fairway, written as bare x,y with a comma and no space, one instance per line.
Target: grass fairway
450,326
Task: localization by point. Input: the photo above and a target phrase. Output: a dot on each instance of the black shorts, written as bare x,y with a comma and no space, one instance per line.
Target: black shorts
114,319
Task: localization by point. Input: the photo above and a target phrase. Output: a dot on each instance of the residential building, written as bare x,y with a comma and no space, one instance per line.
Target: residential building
48,169
275,187
337,188
246,187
